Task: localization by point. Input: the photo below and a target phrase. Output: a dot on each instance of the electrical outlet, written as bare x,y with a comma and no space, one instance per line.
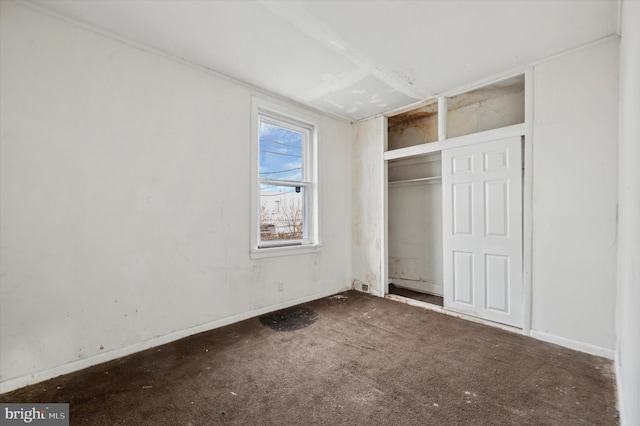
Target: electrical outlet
280,285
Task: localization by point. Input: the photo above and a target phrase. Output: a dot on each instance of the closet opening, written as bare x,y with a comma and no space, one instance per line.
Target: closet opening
415,228
454,202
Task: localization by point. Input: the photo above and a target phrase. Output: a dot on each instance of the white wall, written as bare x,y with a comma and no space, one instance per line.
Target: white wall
125,201
574,198
415,236
628,321
367,198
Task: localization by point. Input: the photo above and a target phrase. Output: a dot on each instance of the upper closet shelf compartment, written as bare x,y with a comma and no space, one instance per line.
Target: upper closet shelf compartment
414,127
496,105
444,121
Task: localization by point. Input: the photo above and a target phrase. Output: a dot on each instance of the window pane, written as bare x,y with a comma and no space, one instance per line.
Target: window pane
282,213
280,153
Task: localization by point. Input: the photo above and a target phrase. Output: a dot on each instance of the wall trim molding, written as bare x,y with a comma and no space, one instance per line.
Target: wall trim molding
40,376
574,344
450,313
423,285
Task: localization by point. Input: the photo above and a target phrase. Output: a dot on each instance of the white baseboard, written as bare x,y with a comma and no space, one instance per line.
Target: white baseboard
441,310
574,344
40,376
430,287
549,338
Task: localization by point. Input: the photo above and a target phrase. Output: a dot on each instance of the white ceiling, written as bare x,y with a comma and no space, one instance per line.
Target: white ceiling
352,58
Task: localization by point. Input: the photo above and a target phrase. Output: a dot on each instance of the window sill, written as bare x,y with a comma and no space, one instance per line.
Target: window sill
284,251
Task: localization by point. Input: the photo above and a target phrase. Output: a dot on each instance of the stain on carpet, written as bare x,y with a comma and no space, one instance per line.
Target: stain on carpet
289,319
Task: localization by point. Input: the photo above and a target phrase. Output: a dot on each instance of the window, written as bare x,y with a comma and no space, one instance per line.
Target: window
285,186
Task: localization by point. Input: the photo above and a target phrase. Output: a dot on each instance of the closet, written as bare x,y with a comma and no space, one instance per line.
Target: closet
454,196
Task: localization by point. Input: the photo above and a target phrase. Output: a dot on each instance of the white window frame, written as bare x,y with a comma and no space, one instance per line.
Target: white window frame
285,115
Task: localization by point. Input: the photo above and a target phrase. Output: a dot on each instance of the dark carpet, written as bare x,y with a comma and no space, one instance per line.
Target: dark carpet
357,360
416,295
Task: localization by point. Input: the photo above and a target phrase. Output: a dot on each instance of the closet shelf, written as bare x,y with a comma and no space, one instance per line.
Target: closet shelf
433,179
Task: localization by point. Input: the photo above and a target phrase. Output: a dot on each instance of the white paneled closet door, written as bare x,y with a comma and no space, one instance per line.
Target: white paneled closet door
482,230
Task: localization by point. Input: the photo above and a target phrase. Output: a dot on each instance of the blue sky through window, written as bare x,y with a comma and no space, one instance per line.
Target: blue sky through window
280,153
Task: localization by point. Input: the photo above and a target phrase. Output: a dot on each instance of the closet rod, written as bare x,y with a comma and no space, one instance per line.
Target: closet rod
415,180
